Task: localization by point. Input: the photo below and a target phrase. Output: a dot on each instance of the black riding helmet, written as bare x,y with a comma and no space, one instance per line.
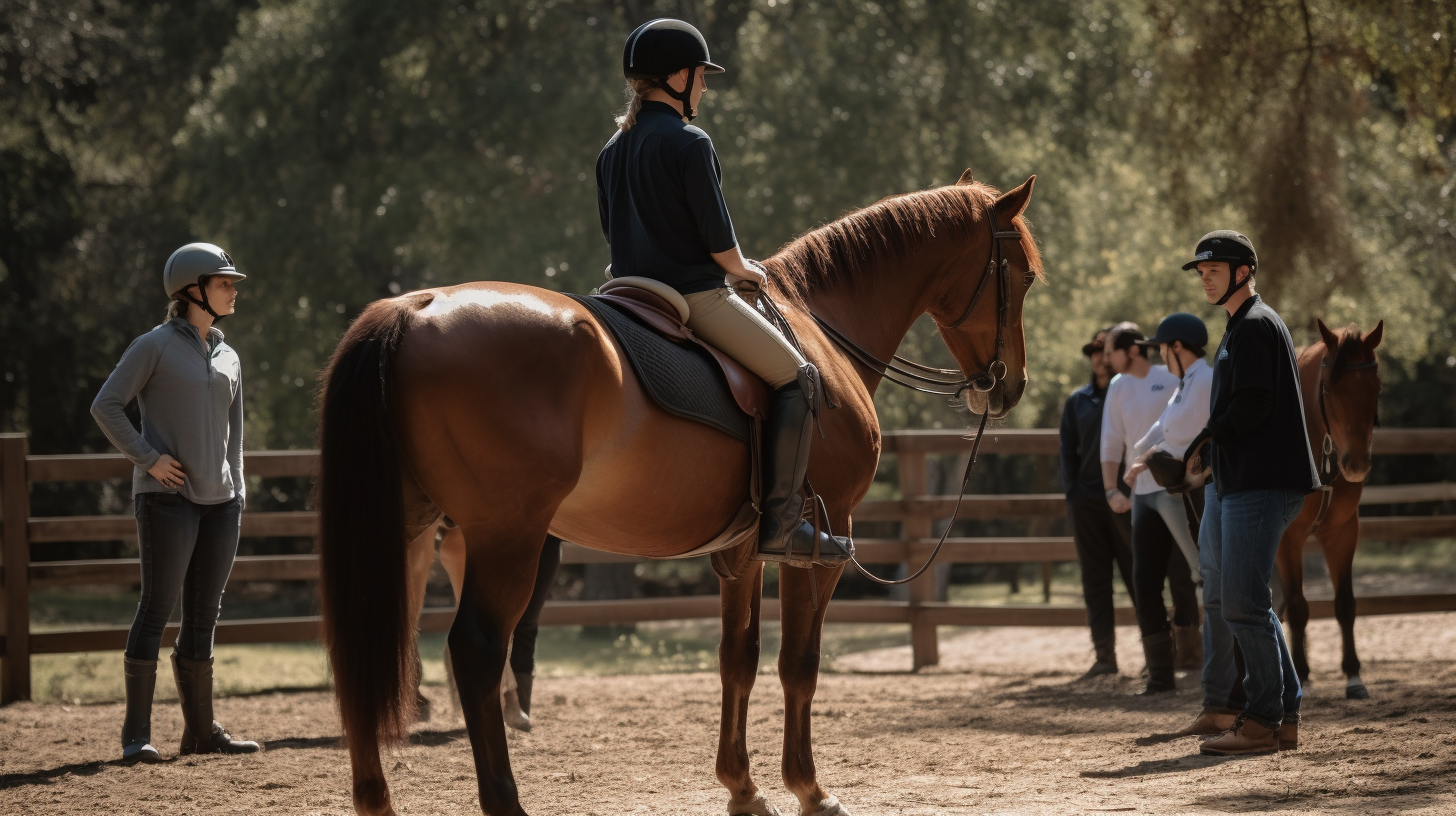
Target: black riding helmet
1232,248
661,47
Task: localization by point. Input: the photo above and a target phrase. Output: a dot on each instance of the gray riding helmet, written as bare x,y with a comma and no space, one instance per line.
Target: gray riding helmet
190,265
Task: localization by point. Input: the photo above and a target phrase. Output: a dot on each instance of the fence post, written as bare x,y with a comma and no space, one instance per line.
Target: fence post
15,556
924,648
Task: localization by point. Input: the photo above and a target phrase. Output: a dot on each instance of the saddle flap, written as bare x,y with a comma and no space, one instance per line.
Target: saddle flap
749,390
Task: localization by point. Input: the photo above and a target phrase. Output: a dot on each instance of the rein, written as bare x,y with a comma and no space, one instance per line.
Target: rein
1328,450
930,380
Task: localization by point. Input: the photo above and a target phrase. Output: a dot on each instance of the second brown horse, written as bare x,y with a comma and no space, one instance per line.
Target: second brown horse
1340,383
509,408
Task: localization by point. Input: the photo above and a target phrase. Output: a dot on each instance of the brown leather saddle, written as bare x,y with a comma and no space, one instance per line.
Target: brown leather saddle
735,402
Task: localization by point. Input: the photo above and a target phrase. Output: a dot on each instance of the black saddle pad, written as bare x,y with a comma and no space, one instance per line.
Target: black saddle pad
682,378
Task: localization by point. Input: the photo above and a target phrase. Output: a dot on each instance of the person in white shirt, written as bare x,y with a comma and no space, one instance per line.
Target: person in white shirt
1180,339
1135,400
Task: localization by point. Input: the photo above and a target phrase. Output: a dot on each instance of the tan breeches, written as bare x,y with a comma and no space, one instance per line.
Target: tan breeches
729,324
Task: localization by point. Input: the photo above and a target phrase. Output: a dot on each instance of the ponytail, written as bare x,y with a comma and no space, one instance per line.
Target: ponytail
636,92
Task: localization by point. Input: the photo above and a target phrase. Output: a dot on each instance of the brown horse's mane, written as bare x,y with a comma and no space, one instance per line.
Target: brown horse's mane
852,246
1351,347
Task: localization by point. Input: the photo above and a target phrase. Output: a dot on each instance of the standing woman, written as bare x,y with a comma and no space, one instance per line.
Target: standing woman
187,489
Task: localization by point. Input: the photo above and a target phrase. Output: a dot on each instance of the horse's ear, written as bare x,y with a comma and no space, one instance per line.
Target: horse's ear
1373,338
966,177
1331,341
1011,203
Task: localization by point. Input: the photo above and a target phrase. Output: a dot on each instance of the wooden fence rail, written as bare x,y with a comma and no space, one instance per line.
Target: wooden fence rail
916,512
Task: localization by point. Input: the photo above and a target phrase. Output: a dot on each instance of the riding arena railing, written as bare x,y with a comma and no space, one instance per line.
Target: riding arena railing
916,513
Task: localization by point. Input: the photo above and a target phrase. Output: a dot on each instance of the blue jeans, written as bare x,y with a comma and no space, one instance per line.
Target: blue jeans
187,552
1236,546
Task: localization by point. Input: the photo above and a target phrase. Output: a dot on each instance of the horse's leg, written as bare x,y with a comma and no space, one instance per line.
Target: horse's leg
803,625
738,666
452,558
499,572
420,557
1339,541
1290,561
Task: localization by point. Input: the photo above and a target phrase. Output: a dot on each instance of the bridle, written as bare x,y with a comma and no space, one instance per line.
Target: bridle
1327,469
931,380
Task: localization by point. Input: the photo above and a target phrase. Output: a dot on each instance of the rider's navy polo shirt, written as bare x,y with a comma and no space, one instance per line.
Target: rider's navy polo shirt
661,203
1257,417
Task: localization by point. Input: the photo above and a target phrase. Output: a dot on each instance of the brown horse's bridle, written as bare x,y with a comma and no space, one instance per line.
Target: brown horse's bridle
930,380
1327,448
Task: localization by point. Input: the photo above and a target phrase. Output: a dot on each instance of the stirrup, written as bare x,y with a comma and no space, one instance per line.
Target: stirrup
826,550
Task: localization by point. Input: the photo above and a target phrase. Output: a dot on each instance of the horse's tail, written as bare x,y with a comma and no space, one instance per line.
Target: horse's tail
367,619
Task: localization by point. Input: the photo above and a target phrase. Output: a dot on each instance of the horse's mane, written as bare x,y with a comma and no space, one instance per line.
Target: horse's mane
1351,346
852,246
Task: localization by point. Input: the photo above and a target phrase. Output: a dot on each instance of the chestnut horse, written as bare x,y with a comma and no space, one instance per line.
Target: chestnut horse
509,408
1340,381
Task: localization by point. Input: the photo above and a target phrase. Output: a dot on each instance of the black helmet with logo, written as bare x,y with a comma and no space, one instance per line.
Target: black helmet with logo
664,46
1232,248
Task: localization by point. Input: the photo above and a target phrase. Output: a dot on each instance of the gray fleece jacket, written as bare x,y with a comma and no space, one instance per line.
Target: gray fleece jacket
192,410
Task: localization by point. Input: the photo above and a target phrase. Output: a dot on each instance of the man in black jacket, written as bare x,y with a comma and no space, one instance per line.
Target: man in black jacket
1102,536
1262,470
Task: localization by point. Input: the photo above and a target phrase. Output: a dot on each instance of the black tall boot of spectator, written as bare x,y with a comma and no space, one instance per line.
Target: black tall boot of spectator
136,728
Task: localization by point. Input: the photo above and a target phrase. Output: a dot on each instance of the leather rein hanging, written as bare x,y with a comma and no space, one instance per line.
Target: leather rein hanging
1328,450
930,380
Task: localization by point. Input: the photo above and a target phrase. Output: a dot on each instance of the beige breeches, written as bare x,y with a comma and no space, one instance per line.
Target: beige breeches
729,324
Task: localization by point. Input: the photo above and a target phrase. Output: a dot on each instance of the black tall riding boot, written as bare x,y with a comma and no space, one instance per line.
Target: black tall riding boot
136,729
1158,649
783,534
194,690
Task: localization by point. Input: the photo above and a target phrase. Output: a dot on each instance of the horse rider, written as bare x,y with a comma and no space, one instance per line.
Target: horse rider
1103,538
663,214
188,491
1181,338
1135,399
1262,470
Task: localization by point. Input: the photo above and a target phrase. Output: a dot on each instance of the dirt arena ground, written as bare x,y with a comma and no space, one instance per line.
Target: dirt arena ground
999,728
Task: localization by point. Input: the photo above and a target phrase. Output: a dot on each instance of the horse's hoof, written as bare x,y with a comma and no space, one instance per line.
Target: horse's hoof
759,806
1356,692
828,807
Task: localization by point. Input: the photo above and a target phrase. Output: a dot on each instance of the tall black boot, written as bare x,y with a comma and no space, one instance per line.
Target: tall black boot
136,729
783,533
1158,649
1106,662
201,734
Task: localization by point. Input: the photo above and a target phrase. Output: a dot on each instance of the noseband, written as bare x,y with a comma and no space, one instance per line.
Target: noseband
949,382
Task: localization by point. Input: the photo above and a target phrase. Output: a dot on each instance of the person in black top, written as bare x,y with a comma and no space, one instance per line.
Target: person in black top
663,213
1262,469
1102,536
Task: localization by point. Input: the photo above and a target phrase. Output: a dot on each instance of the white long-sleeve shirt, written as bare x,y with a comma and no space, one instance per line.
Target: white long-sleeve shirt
1185,416
1133,405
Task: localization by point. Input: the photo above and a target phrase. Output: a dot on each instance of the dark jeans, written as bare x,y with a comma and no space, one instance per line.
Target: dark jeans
187,552
1103,538
523,642
1236,548
1155,556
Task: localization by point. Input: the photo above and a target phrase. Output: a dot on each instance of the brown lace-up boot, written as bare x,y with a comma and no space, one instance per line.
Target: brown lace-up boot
201,734
1246,738
1210,723
1189,642
1289,735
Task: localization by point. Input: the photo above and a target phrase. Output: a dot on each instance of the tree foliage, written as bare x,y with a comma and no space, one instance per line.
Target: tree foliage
346,150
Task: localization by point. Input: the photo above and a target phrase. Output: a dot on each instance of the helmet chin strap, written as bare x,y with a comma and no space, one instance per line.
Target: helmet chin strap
685,96
202,303
1234,287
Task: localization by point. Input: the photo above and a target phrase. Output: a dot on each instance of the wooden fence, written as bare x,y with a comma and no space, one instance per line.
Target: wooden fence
916,513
